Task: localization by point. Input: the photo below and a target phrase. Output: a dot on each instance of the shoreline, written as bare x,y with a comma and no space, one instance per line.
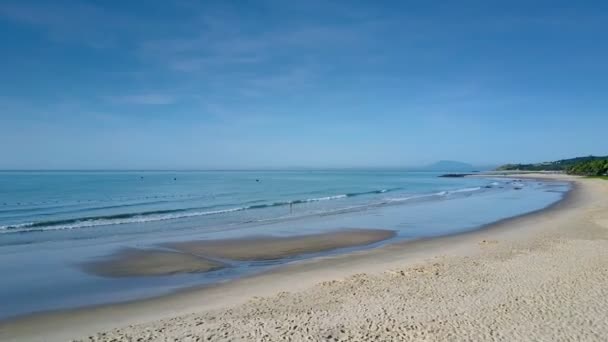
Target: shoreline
307,274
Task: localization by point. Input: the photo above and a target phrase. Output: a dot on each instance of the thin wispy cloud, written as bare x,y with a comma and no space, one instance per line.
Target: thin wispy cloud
208,52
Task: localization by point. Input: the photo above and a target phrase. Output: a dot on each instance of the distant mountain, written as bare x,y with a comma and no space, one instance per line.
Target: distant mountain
449,165
559,165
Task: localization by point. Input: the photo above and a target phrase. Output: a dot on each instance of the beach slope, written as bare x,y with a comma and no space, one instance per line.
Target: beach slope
541,276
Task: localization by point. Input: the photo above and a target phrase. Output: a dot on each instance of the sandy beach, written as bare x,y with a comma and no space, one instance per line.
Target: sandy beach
540,276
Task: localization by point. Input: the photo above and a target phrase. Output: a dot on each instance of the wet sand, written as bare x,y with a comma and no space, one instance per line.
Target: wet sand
201,256
132,262
540,276
272,248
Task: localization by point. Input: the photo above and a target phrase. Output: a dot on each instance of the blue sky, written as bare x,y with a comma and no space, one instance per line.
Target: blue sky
278,84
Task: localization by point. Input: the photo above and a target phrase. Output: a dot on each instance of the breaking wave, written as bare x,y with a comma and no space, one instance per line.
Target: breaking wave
159,215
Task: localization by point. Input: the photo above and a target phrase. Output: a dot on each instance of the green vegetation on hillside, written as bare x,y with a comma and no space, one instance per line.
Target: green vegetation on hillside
585,166
590,168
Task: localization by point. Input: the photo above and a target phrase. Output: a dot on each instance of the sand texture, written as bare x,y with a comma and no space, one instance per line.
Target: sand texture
270,248
538,277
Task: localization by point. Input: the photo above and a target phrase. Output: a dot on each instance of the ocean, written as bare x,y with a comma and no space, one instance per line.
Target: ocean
53,222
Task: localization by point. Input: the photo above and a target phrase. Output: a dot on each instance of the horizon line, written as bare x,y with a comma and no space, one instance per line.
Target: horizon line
407,168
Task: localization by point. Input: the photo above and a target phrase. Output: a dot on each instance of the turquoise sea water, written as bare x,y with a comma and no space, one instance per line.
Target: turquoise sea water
52,222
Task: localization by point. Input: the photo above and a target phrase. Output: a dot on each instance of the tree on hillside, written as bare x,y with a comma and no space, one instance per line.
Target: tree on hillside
589,168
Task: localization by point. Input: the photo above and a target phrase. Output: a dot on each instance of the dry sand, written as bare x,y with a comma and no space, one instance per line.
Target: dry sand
132,262
538,277
270,248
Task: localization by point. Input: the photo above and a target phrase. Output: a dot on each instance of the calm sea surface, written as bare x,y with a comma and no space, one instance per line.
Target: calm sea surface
52,222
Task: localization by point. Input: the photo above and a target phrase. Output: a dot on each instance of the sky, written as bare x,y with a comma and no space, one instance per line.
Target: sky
300,84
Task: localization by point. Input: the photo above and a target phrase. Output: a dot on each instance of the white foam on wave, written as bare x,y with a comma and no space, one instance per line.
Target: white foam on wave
15,226
402,199
328,198
464,190
27,227
435,194
88,223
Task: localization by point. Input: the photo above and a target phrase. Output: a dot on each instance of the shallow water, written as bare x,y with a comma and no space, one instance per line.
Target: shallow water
51,222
